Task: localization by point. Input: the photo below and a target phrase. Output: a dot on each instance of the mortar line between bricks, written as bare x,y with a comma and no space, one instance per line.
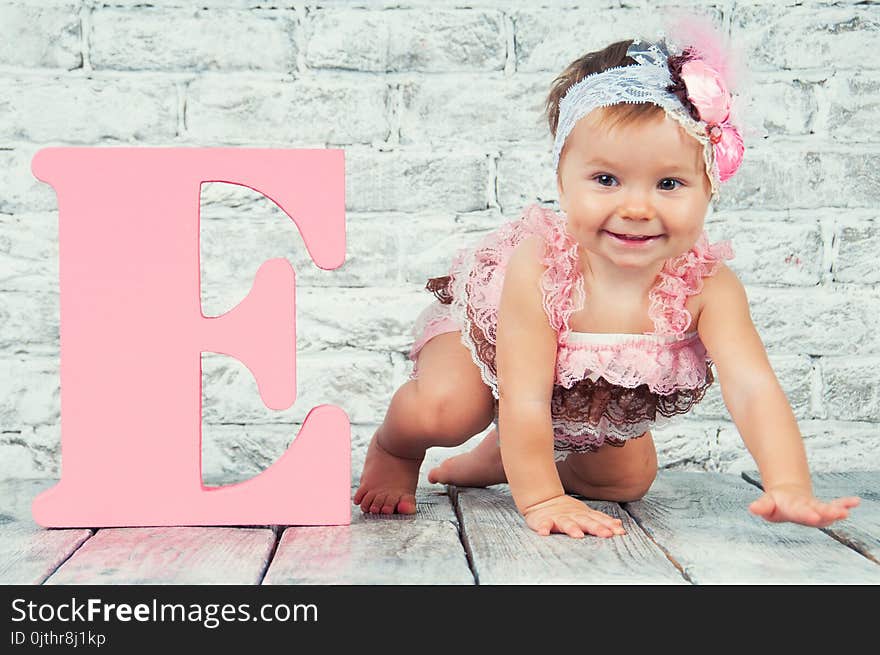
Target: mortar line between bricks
817,388
182,88
492,192
85,21
832,235
826,264
300,32
726,17
510,38
394,108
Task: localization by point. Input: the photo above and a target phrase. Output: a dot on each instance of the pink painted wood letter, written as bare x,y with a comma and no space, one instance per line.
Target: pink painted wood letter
132,334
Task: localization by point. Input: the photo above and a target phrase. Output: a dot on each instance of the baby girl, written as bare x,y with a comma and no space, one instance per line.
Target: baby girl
576,332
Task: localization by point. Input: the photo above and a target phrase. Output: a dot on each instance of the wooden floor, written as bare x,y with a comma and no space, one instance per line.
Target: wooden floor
691,528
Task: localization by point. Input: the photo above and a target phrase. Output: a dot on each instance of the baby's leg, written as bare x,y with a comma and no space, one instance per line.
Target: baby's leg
448,404
617,474
478,467
608,474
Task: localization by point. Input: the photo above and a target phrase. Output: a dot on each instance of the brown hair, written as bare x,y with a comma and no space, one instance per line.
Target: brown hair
613,56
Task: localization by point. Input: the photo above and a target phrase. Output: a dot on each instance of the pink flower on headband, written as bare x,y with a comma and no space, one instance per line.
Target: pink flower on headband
706,90
728,152
708,93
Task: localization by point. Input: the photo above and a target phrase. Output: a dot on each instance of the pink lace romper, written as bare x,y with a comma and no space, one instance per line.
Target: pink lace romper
609,387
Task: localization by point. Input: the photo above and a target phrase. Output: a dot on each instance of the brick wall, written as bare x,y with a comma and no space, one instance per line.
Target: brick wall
438,109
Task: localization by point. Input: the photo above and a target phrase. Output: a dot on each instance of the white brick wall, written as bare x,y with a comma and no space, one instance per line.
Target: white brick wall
438,108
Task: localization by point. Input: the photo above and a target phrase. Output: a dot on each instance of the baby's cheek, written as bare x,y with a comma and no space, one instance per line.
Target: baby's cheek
689,235
695,227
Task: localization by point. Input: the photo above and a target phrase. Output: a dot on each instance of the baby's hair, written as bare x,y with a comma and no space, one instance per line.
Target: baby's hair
613,56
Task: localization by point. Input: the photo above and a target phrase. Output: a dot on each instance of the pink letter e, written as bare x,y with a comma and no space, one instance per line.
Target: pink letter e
132,334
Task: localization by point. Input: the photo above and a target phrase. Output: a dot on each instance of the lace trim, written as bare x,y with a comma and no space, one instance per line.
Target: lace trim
592,410
679,278
472,290
682,277
570,437
566,444
562,285
477,276
663,367
574,437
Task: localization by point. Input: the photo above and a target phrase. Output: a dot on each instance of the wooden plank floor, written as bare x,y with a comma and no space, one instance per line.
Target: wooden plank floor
417,549
692,528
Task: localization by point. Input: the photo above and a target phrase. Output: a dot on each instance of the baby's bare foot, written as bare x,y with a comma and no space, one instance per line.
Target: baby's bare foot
479,467
388,482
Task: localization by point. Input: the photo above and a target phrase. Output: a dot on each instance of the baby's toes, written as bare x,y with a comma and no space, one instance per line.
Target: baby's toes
389,504
367,501
359,495
378,502
407,504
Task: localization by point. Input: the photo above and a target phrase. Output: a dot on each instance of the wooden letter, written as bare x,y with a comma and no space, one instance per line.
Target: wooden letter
132,334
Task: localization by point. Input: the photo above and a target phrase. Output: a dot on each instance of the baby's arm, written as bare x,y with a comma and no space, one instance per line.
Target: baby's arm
759,407
526,360
526,363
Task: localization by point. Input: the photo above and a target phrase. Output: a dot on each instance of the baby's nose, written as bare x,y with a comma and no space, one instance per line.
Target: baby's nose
637,205
637,212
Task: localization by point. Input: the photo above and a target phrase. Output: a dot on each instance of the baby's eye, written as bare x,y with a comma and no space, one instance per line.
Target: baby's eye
669,184
604,179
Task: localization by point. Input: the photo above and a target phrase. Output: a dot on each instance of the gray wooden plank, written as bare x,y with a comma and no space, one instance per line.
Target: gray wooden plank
861,529
420,548
701,520
505,550
174,555
29,553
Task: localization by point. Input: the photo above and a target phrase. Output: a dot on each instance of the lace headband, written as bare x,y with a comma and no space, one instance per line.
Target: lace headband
649,81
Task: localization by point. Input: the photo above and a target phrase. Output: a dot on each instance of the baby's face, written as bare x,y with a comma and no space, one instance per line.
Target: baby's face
647,178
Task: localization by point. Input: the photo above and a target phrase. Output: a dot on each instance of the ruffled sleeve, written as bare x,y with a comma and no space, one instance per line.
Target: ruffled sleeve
681,277
472,289
562,286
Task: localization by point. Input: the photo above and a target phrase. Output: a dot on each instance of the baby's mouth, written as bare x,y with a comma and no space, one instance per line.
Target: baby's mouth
634,237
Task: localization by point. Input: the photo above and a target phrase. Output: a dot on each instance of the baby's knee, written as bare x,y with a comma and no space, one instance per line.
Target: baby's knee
449,415
618,493
624,487
636,485
637,479
643,480
630,493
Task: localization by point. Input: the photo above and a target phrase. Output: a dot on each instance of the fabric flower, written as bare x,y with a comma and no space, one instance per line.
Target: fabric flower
706,90
708,93
729,152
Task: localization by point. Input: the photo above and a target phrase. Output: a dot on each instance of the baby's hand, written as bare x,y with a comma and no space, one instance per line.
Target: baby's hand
572,517
796,504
